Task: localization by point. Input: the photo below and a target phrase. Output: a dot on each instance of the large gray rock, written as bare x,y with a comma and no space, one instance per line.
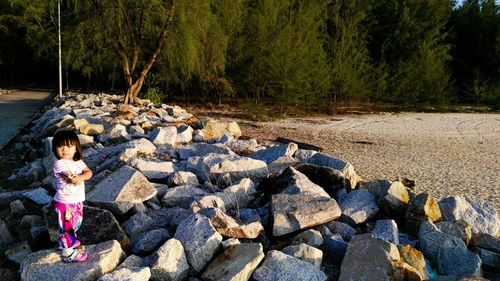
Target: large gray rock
368,258
39,196
138,224
17,252
459,229
310,237
202,149
169,262
129,274
119,134
152,169
236,263
149,241
141,145
183,178
387,230
306,253
238,195
164,136
199,239
184,134
291,181
345,230
121,190
181,195
270,154
396,198
358,206
458,261
212,166
299,211
432,241
229,227
329,179
279,266
481,216
48,264
346,168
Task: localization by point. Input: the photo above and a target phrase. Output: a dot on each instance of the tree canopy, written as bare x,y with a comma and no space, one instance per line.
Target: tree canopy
289,52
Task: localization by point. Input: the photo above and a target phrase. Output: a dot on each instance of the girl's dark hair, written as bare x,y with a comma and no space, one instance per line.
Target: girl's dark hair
68,138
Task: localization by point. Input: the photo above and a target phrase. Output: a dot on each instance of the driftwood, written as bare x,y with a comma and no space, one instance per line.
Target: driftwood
301,145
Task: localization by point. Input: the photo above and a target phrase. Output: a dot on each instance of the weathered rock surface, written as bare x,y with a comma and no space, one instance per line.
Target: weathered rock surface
237,262
169,262
368,258
129,274
345,167
358,206
299,211
279,266
199,239
481,216
121,190
306,253
48,264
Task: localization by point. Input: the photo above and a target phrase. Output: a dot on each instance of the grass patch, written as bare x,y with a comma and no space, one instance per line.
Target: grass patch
250,124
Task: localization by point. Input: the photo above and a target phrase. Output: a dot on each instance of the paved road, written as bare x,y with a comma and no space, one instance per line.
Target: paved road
16,110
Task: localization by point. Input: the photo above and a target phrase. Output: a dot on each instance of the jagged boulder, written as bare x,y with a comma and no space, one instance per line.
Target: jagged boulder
279,266
298,211
199,239
48,264
481,216
346,168
121,190
169,262
237,262
368,258
358,206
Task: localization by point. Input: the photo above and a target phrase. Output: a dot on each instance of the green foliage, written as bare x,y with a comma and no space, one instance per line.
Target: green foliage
352,74
288,59
284,53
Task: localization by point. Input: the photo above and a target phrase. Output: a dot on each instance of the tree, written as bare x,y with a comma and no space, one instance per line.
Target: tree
134,31
289,61
410,42
476,52
352,74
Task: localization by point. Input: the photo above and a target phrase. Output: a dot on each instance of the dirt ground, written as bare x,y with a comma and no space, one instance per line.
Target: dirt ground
445,153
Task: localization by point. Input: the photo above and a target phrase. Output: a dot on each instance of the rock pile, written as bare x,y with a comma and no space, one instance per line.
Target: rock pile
176,198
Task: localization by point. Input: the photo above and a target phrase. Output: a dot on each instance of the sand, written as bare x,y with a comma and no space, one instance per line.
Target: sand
446,154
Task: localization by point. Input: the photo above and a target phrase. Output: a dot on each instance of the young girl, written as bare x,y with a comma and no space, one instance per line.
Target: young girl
70,172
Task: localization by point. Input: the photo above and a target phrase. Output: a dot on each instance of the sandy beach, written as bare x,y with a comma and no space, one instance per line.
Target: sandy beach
446,154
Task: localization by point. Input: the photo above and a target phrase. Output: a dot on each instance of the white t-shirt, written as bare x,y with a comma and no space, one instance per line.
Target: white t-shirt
68,193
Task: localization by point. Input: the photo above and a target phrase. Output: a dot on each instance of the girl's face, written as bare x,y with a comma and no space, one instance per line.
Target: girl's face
66,151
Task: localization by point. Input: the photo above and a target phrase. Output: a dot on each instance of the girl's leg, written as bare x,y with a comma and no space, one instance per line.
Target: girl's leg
69,220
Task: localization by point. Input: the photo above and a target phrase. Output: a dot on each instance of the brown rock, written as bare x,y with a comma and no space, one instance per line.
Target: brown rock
227,226
403,271
414,258
424,206
80,122
92,129
125,112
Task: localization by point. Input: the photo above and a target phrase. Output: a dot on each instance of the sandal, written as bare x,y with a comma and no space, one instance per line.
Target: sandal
76,257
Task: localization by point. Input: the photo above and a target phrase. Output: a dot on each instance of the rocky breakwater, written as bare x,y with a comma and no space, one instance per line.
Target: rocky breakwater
176,198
